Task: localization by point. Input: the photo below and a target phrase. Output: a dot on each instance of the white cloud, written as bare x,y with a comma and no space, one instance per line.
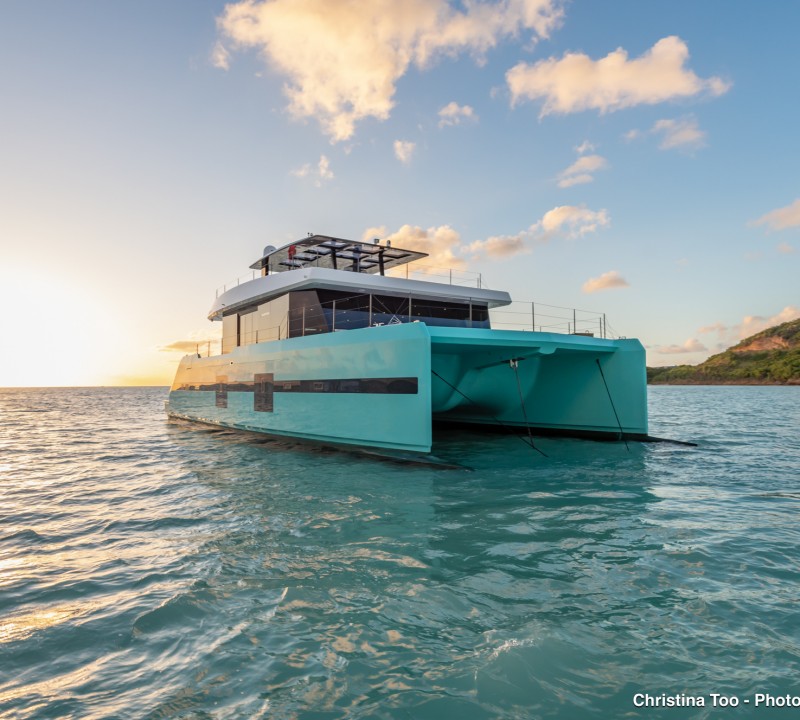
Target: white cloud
441,243
692,345
752,324
499,246
403,150
683,133
576,82
571,221
581,170
446,249
324,169
342,60
571,180
454,114
567,221
716,327
782,218
608,280
584,147
320,174
220,57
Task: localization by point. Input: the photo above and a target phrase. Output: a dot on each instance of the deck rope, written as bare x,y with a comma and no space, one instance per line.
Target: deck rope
529,442
608,392
514,363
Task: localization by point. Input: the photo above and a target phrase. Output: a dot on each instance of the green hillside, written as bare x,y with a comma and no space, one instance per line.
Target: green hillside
771,357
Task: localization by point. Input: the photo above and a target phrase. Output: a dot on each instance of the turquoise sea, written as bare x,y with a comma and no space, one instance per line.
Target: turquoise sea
155,570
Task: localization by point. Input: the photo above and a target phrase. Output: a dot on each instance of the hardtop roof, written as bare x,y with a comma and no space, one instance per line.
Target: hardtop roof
335,253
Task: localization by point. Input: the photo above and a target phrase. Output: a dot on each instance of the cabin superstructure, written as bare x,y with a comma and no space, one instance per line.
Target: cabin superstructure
323,284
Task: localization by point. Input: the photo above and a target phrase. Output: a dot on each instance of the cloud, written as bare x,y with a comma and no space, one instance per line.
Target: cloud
566,221
716,327
785,248
782,218
752,324
220,57
692,345
581,179
454,114
683,133
403,150
584,147
321,173
581,170
571,221
499,246
324,168
446,249
342,60
184,346
611,279
441,243
576,82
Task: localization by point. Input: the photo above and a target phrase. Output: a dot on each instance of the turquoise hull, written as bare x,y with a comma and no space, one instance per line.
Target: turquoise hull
385,387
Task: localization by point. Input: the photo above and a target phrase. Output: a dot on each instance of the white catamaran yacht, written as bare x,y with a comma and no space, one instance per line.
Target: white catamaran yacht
327,347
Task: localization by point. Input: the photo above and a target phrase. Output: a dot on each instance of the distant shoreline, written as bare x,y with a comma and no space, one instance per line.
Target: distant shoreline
761,383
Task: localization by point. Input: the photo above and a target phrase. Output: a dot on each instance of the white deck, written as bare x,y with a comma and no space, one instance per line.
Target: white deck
263,288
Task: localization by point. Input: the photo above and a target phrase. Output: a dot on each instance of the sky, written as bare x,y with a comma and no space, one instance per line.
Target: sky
637,159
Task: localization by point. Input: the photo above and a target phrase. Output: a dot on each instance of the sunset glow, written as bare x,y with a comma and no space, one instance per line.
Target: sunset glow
638,158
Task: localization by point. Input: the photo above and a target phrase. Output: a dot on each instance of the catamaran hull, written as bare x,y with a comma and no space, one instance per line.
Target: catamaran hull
385,387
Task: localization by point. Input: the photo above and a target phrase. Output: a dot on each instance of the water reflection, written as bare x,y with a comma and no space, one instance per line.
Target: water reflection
428,583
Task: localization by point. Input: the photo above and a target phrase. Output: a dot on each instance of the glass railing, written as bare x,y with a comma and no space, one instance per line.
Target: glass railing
410,271
362,311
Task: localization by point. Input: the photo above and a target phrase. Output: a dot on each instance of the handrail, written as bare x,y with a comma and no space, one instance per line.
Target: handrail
236,282
362,310
452,276
541,317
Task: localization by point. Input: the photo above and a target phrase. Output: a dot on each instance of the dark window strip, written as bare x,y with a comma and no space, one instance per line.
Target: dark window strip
368,386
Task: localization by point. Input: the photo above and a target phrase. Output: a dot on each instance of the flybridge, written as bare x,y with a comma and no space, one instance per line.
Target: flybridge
334,253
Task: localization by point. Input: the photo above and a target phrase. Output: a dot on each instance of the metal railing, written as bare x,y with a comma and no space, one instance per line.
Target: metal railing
252,275
449,276
207,348
429,273
368,310
540,317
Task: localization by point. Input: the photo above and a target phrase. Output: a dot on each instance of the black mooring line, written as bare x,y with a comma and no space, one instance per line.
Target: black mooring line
514,365
494,417
619,424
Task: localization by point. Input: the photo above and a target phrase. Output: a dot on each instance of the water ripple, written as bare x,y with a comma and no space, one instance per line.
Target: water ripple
156,570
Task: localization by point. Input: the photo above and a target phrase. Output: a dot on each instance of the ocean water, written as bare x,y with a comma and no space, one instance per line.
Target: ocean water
157,570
